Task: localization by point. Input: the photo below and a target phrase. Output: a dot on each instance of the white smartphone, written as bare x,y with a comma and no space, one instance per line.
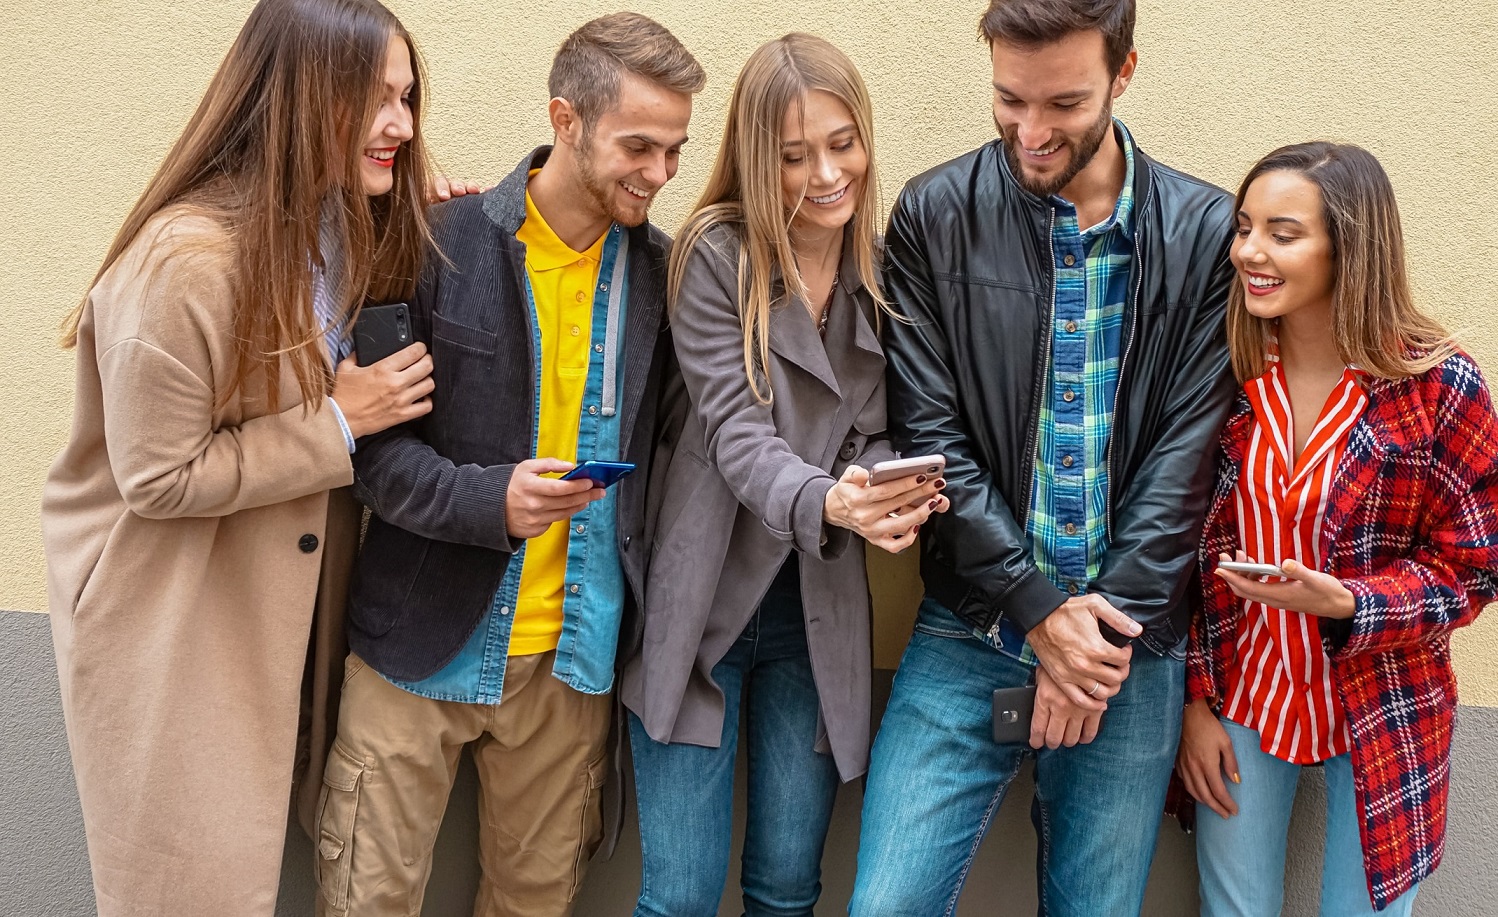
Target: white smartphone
1251,569
894,469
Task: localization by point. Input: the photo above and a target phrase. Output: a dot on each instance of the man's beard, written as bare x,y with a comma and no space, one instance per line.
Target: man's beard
1081,155
602,192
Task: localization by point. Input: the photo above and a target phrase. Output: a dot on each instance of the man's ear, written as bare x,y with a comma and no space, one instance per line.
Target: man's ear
565,122
1125,73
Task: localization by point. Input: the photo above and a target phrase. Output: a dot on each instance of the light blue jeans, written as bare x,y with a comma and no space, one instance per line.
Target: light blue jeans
937,777
1242,859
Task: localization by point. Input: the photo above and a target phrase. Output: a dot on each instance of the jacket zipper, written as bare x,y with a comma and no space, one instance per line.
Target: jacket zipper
1123,363
1037,393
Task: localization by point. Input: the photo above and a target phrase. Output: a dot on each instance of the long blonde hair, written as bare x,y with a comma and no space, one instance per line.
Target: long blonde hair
1375,321
744,187
278,134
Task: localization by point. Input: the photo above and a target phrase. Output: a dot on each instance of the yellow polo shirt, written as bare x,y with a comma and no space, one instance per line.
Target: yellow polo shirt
562,283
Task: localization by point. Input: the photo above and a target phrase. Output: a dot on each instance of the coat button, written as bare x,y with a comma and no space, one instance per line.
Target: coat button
626,540
308,543
848,451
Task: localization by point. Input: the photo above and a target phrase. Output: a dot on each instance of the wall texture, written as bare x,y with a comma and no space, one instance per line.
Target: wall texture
104,86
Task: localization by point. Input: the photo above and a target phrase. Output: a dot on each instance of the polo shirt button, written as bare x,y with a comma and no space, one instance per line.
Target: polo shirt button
1067,461
582,262
1071,327
308,543
1071,528
579,296
1069,260
576,331
1071,589
574,589
1069,396
504,609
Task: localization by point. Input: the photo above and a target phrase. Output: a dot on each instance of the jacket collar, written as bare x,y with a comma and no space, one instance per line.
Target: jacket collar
1140,166
504,204
793,334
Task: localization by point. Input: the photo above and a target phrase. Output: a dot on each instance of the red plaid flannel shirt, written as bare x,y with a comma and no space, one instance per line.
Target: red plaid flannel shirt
1412,531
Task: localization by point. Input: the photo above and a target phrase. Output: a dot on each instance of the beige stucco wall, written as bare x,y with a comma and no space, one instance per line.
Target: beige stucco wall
99,89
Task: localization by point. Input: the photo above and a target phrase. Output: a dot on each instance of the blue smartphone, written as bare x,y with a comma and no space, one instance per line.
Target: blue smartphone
604,474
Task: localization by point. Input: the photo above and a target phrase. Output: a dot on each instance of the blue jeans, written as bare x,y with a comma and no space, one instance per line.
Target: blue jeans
1242,859
686,791
937,778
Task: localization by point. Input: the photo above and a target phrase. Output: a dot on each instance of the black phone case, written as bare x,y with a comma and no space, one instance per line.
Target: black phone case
1013,708
380,331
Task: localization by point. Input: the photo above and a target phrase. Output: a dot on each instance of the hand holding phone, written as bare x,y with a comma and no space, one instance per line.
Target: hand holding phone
1250,569
380,331
930,465
604,474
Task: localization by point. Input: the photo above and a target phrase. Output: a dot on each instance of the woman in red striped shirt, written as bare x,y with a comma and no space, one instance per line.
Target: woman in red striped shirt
1359,466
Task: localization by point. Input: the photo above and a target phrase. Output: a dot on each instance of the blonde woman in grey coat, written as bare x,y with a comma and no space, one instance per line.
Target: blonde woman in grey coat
757,604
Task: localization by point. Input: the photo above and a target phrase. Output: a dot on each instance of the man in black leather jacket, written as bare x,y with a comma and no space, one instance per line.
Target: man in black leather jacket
1075,379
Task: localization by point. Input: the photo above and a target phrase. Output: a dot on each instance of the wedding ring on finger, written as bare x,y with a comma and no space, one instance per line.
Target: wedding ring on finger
1095,686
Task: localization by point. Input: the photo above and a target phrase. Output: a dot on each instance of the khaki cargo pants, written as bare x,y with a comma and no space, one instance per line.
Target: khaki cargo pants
541,764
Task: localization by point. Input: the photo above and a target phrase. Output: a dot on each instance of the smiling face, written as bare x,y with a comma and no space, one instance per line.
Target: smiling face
392,125
633,149
823,163
1282,249
1053,105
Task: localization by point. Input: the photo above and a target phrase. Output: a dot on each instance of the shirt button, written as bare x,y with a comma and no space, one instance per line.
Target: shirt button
604,287
598,348
1069,260
307,543
582,262
1071,327
576,331
580,529
1069,396
504,609
1071,528
574,589
579,296
1067,461
1071,589
592,409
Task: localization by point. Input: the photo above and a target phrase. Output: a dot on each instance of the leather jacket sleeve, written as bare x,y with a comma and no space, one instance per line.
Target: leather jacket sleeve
979,537
1157,522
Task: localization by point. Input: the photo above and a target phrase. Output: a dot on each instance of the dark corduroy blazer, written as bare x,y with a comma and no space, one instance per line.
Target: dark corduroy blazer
436,548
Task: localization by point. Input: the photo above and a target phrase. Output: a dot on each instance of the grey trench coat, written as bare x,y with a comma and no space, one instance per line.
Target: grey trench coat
741,487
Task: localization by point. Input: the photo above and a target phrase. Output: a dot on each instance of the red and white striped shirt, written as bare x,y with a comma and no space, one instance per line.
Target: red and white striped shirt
1281,684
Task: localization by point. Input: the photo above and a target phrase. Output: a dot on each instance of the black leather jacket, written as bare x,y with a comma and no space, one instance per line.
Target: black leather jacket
968,263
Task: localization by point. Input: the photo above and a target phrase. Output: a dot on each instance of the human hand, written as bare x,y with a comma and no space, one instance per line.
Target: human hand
1304,590
886,515
1057,721
1070,645
533,502
1204,756
381,395
442,188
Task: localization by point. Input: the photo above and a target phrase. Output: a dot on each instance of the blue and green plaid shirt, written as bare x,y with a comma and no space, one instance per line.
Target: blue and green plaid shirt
1067,528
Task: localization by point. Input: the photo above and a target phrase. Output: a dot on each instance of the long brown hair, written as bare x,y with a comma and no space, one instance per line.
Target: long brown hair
1375,321
273,147
744,187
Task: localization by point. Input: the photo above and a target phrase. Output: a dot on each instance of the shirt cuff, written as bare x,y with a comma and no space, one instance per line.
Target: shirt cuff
348,435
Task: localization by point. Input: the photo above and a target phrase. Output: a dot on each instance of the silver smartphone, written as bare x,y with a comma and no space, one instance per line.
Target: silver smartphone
1251,569
894,469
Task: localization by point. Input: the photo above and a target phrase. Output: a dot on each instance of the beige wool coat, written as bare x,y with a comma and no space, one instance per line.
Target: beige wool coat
185,545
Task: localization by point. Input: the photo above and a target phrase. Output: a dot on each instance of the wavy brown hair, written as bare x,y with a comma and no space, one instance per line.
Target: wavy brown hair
1375,321
744,187
273,148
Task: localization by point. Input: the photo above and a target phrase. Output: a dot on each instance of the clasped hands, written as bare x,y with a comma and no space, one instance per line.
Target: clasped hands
1078,670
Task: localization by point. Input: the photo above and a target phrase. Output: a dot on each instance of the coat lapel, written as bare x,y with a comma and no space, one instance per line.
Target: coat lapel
794,338
1389,426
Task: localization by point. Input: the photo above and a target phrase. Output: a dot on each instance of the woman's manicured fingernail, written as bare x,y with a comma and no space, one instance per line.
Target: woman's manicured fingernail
916,530
940,484
932,504
920,479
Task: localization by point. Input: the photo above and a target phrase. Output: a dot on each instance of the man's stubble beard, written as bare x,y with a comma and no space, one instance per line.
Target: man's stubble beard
602,192
1082,154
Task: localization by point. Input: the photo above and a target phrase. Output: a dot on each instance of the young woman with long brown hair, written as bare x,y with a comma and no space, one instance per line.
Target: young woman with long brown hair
185,520
1359,465
756,602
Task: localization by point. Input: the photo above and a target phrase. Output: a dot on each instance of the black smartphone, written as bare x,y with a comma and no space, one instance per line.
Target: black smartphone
1013,708
380,331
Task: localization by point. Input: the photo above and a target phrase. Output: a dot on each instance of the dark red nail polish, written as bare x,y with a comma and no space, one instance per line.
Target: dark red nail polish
940,484
932,504
920,479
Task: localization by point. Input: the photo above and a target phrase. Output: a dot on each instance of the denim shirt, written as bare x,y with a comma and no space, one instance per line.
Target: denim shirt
1066,526
593,603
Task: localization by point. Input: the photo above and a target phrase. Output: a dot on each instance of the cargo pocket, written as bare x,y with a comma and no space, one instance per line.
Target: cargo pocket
590,833
337,808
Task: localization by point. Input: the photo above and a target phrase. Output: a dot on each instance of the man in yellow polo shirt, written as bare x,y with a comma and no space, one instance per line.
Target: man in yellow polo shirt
487,600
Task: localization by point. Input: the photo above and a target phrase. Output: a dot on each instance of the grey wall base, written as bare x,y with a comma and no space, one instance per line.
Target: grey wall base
44,865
